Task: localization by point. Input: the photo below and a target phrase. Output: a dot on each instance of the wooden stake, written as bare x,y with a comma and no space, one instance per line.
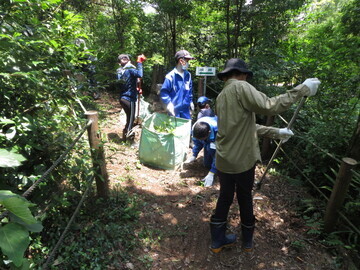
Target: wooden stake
338,193
98,156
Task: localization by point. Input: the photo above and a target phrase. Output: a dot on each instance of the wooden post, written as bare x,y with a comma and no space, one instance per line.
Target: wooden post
201,87
338,193
98,156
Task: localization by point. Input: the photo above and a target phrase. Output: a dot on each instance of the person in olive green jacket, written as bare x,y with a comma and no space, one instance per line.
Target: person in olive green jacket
237,148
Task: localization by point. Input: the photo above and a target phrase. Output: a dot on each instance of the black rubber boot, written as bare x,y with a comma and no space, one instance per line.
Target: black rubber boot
247,237
124,133
218,238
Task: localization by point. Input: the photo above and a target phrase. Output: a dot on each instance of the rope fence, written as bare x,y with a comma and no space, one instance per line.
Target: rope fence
340,185
91,127
100,174
301,136
55,164
96,153
62,237
320,192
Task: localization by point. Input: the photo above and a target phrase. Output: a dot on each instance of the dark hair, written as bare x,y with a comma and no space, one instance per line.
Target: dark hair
202,105
201,130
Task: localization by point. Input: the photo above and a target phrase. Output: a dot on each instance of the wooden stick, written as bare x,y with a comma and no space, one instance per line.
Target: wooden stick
289,126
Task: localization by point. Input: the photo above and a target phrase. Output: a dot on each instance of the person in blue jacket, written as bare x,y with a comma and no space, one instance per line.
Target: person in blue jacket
205,130
203,104
127,76
176,92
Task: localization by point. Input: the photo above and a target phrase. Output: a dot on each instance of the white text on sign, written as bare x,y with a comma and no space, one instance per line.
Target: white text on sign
205,71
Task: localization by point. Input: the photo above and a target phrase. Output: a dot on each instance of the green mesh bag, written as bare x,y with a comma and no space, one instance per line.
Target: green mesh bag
164,141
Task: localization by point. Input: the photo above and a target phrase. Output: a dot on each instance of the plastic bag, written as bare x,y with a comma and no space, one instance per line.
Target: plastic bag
164,141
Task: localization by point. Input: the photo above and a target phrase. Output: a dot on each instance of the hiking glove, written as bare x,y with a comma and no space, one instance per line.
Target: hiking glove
190,159
313,84
141,58
209,179
285,134
170,108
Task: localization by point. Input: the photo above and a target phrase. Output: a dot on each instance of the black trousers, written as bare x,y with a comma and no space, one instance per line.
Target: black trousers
129,108
242,184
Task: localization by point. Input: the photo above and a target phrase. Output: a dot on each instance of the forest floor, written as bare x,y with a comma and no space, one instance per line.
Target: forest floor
177,211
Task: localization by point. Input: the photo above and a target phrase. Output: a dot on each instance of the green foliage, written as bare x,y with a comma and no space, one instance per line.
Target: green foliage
323,44
14,231
14,241
98,239
38,107
167,126
37,44
283,41
9,159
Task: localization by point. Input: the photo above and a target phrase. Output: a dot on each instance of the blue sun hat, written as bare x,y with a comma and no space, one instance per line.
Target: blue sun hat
202,100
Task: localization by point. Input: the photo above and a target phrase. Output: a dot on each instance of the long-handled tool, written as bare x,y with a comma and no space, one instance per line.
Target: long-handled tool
289,126
139,89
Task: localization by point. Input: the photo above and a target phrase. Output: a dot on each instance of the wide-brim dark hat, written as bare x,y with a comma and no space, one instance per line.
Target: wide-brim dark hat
235,64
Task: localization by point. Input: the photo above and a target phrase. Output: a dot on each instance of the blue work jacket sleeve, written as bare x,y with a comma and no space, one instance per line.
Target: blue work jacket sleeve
165,91
198,146
191,89
138,73
213,166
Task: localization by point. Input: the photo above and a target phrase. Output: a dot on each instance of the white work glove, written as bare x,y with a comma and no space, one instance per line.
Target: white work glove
192,106
313,84
170,108
190,159
209,179
285,134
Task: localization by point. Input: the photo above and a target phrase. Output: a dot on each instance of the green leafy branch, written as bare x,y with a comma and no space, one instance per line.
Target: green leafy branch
15,228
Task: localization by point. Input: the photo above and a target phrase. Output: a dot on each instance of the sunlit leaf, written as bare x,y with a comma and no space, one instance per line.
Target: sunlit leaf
5,121
20,207
10,133
10,159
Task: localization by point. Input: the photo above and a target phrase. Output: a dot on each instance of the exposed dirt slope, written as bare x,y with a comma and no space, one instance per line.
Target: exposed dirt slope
178,209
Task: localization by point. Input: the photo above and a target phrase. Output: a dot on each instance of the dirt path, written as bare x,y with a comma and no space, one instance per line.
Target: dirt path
178,209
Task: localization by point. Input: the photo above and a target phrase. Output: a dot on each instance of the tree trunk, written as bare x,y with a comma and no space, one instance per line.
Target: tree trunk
228,36
173,37
354,147
119,28
236,34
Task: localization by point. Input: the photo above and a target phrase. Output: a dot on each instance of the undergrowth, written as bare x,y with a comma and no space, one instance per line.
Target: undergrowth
105,234
340,243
